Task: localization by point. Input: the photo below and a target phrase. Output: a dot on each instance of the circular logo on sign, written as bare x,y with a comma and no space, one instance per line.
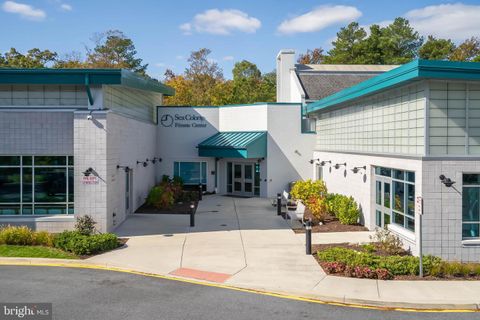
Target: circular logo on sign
166,120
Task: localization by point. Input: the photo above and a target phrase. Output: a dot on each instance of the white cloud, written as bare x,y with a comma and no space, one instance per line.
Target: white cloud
160,64
456,21
319,18
221,22
24,10
228,58
66,7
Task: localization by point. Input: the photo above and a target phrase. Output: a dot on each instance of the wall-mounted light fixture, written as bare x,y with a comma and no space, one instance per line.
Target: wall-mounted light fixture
144,163
356,169
155,159
325,162
87,172
127,169
260,160
313,160
338,165
90,116
446,181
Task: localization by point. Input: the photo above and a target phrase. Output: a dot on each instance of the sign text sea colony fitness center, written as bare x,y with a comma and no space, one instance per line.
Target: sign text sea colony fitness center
183,121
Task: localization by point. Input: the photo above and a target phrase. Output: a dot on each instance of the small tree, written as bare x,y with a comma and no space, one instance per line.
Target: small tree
85,225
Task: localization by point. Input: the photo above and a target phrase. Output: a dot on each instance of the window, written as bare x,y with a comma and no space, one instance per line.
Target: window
399,203
471,209
36,185
191,172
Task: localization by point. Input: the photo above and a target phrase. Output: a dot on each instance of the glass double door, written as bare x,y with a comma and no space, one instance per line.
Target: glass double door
243,179
383,202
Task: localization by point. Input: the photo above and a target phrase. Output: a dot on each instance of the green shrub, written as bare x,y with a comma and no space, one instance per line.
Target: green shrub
17,235
43,238
347,209
161,197
368,247
79,244
85,225
305,190
331,198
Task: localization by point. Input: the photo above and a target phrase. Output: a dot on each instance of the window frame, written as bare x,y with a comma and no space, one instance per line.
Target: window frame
67,205
476,222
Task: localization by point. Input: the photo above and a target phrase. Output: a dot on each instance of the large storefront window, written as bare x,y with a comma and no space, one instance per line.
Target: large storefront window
395,197
191,172
36,185
471,208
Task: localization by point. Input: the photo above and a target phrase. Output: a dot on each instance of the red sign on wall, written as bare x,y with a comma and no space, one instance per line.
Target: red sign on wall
89,180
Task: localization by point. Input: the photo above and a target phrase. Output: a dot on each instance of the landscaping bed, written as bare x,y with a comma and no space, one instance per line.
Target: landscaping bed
386,260
83,242
170,196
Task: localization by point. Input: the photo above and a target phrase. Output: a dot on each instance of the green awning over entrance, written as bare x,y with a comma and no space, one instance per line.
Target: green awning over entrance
244,144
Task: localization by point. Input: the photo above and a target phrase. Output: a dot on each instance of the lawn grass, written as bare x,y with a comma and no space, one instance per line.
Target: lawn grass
34,252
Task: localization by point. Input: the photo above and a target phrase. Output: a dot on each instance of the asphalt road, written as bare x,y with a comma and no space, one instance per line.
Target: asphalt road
95,294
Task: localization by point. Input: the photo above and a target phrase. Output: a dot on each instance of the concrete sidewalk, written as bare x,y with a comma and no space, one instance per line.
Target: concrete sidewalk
242,243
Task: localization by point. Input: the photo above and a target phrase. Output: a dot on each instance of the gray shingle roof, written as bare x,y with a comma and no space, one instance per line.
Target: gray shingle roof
322,80
318,86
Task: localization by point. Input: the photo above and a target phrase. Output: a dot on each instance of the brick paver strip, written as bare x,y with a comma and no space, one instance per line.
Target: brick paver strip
201,275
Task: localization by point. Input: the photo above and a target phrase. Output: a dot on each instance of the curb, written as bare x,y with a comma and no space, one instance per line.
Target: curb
304,297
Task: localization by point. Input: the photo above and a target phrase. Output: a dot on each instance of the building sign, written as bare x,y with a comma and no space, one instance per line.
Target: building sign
419,205
183,121
91,179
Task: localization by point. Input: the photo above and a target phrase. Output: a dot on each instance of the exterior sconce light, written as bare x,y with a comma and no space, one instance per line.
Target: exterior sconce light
144,163
313,160
87,172
446,181
154,160
325,162
356,169
338,165
127,169
260,160
90,116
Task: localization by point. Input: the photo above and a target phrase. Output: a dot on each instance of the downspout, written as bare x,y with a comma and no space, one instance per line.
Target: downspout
89,92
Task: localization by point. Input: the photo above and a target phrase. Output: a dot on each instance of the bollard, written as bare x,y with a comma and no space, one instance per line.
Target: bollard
279,204
192,215
200,192
308,236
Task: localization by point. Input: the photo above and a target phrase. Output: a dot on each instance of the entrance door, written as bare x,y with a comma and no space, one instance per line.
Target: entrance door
243,179
128,191
383,201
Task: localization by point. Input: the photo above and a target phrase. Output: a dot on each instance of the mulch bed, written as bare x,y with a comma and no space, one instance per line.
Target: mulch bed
332,225
177,208
320,247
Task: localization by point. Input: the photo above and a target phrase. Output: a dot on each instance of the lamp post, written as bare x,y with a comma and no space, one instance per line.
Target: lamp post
192,214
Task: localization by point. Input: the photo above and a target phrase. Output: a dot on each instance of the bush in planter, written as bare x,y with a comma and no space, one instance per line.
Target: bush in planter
17,235
347,209
79,244
304,190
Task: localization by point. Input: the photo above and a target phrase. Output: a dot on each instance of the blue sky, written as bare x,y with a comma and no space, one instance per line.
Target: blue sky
165,32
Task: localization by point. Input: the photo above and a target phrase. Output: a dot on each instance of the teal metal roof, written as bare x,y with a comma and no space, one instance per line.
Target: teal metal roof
83,77
237,144
413,71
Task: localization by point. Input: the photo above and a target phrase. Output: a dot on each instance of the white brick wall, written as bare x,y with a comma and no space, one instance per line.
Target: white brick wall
36,133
